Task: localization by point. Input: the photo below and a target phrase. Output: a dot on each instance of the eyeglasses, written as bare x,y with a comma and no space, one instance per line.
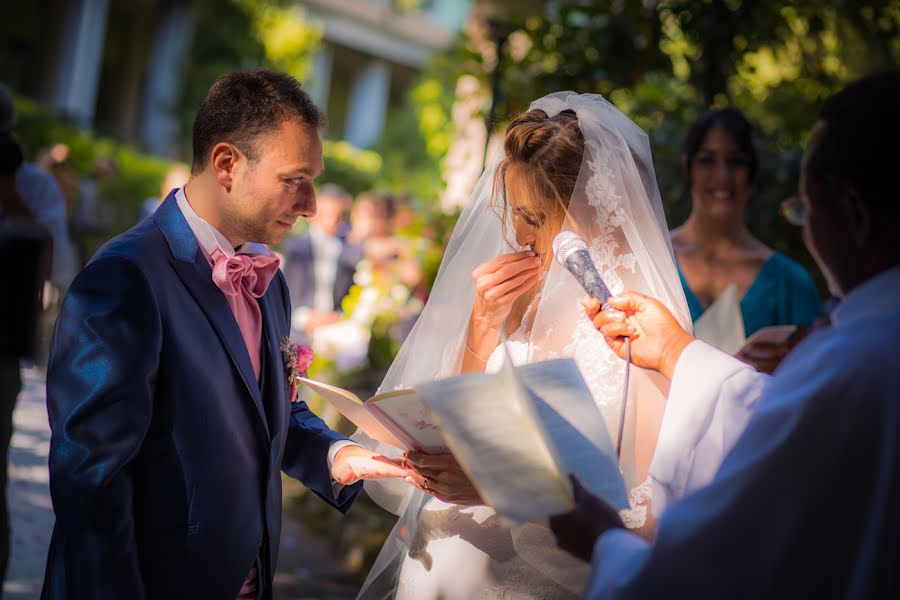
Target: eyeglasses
794,211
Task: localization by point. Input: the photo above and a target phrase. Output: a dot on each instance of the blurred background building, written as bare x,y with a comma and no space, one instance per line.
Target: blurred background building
118,65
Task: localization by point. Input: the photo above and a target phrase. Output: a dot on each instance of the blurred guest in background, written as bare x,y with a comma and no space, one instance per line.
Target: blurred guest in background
735,285
320,264
177,175
404,213
373,223
55,160
28,245
41,193
93,217
372,216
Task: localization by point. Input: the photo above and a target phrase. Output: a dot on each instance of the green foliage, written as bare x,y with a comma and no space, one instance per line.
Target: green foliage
419,136
139,175
665,62
288,40
246,33
353,169
240,34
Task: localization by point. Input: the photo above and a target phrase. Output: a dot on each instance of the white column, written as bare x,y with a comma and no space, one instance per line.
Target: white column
320,85
366,113
81,56
159,117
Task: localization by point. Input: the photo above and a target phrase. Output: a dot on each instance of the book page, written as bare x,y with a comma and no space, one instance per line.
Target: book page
491,430
573,422
406,416
348,404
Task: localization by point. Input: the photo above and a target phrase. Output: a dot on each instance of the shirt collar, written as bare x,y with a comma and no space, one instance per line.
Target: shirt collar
877,295
210,238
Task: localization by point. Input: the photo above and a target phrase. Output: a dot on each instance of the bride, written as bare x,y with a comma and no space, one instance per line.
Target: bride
572,162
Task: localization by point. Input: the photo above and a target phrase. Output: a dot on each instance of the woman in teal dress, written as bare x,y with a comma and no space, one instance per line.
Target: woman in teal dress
735,285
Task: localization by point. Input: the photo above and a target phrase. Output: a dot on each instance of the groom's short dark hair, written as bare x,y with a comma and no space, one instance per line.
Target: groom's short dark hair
241,105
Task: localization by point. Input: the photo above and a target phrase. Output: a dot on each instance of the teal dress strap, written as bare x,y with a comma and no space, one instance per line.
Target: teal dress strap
692,301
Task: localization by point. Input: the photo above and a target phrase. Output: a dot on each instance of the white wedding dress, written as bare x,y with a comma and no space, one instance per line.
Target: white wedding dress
462,553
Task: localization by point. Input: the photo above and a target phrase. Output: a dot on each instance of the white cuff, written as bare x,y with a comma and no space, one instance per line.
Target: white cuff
694,395
335,448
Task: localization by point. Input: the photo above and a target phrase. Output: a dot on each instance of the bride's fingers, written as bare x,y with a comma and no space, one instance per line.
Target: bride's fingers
501,261
437,472
488,283
517,291
514,268
420,459
416,479
500,290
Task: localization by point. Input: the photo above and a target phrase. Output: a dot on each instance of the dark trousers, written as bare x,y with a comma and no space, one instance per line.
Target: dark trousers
10,385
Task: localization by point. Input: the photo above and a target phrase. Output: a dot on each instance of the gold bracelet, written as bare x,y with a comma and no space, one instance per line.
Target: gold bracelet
472,352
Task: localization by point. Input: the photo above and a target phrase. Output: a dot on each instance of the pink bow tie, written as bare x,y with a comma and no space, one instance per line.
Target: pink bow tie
249,272
243,278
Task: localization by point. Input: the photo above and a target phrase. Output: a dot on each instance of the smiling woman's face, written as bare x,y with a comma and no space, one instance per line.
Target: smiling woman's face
720,175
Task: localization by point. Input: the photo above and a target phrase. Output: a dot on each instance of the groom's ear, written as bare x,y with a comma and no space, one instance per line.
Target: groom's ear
223,158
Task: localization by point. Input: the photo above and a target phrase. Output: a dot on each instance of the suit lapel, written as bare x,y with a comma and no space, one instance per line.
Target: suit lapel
273,365
194,271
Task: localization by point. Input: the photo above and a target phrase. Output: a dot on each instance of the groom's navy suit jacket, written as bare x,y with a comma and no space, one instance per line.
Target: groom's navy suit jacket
166,451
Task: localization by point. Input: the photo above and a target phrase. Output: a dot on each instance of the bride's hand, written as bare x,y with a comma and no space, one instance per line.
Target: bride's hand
499,283
442,477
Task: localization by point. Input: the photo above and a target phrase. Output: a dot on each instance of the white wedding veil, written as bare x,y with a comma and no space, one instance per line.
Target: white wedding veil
616,208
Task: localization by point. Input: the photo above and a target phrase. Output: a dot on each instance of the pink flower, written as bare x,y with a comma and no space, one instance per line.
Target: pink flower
297,359
304,358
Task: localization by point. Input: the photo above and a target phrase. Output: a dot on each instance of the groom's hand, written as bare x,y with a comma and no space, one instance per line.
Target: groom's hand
353,463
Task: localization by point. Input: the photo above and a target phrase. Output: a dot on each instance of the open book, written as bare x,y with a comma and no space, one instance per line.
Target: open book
397,418
517,433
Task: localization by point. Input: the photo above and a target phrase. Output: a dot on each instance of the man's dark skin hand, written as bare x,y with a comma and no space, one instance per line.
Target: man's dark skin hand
577,531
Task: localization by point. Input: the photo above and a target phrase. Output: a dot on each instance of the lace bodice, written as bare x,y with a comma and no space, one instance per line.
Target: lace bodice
517,348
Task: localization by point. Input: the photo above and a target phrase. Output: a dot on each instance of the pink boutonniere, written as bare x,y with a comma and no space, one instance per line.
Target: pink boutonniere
297,359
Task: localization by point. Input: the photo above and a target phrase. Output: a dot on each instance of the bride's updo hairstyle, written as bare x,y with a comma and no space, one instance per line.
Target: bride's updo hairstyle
545,152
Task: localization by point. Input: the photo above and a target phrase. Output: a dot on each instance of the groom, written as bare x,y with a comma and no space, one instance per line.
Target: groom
167,390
